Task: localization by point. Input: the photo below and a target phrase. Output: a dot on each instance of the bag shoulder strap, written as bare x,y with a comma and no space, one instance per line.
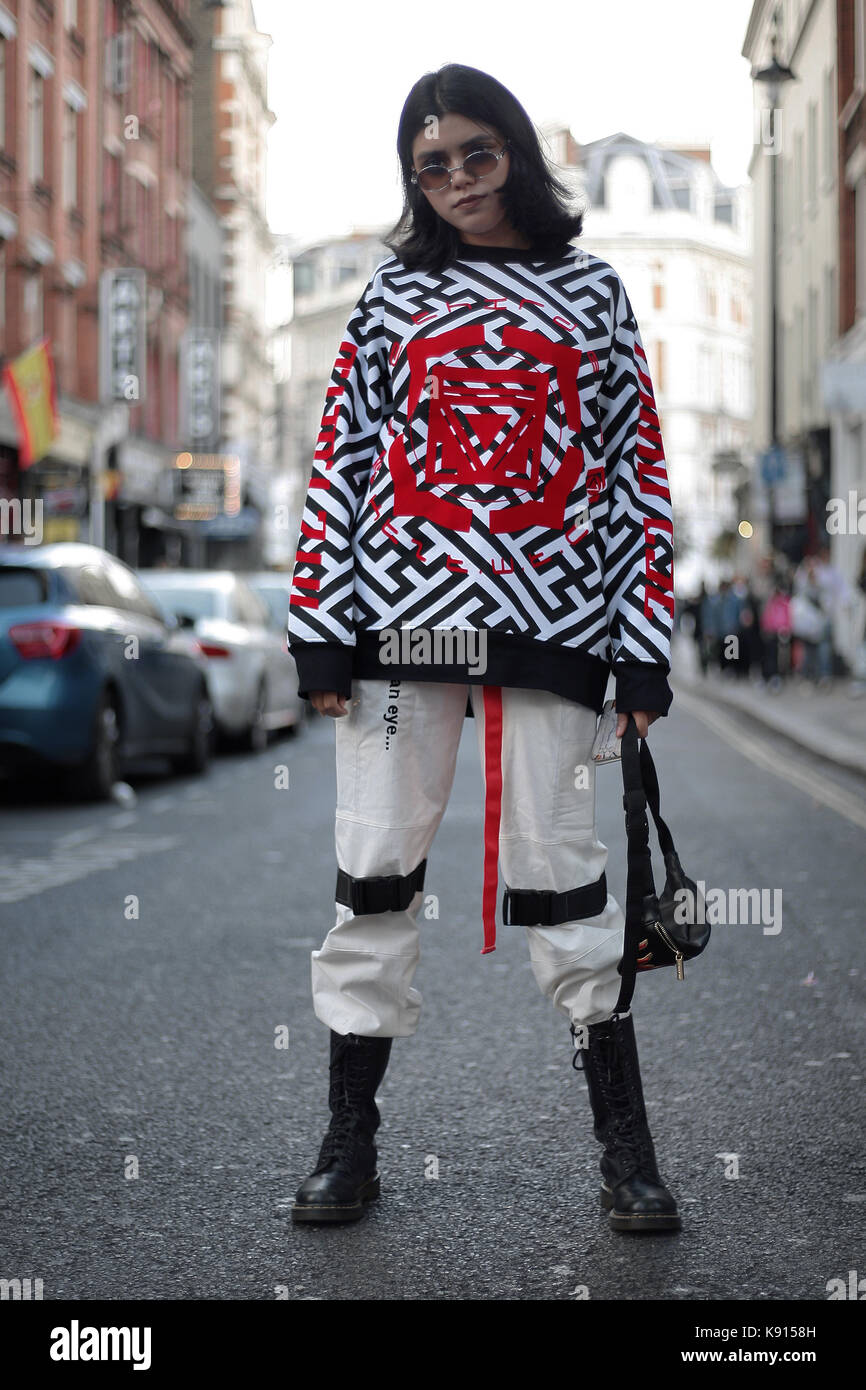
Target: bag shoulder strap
640,882
651,786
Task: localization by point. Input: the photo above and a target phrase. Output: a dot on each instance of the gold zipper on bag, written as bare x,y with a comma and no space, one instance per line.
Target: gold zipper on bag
681,972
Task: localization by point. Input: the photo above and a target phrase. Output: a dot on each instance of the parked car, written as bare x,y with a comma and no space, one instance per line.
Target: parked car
274,586
91,673
253,680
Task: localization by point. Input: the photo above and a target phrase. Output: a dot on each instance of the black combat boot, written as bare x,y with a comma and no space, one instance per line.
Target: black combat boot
346,1176
632,1190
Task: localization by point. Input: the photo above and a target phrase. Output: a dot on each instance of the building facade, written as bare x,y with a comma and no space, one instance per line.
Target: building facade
232,120
844,380
94,162
50,237
681,240
810,126
146,169
324,284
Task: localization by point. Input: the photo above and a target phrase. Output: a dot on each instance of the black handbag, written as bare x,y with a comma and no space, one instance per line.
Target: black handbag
670,928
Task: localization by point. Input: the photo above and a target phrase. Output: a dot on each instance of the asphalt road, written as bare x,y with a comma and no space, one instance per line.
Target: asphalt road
153,1134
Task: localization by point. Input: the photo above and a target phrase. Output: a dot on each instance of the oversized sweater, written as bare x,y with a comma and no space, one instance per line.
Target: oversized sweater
489,499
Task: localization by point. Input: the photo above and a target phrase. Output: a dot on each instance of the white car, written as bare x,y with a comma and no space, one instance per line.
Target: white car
252,678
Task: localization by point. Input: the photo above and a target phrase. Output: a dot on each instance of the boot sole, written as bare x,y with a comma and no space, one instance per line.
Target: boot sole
323,1212
638,1221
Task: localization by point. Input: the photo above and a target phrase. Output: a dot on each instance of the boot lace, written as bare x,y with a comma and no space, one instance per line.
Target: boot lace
354,1115
625,1133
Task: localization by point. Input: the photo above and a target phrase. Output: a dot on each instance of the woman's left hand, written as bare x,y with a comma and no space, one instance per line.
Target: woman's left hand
642,718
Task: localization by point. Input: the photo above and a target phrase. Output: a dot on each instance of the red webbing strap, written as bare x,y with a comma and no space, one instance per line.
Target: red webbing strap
492,809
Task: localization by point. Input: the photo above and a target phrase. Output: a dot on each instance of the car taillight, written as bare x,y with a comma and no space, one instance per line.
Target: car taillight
44,638
212,649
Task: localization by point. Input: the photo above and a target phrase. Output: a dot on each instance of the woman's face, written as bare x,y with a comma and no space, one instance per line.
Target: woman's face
481,222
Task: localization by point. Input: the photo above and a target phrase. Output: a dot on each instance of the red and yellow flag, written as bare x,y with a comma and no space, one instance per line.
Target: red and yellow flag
32,389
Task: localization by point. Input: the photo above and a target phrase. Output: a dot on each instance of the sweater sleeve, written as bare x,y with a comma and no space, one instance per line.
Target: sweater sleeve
638,545
320,630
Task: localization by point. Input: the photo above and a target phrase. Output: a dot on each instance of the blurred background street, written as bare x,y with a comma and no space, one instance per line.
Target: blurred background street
194,195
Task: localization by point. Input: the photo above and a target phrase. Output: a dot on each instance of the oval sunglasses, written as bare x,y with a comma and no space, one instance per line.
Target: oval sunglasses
479,163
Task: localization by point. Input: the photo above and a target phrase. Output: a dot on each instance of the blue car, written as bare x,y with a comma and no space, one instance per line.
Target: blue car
92,674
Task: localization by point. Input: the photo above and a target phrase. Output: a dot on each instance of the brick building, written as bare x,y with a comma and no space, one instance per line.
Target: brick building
232,120
95,159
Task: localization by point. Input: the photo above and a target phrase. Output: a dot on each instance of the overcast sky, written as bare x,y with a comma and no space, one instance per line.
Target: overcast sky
340,71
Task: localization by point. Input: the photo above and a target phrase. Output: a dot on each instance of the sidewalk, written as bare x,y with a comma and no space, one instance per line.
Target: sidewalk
829,722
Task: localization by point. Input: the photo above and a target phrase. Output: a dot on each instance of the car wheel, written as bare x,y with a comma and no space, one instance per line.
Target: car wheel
95,778
256,737
198,754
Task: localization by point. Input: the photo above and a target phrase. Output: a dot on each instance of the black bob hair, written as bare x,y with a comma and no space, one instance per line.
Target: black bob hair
534,200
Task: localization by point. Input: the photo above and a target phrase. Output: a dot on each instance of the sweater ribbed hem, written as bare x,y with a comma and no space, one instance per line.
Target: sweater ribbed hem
511,660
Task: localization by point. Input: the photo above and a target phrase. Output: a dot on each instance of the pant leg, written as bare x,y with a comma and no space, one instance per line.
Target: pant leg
548,840
396,752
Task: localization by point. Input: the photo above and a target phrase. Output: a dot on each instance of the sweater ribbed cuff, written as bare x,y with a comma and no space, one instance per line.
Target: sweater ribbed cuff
642,686
323,666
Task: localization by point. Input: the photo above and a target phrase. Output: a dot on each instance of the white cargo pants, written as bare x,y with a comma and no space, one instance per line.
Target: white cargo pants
396,753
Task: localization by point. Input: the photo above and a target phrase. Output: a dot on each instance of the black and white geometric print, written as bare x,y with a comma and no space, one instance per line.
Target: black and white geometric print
490,457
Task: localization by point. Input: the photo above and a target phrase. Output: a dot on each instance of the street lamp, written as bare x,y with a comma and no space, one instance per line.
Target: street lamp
773,76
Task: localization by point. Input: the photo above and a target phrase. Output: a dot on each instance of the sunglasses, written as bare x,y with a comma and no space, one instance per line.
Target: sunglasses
434,177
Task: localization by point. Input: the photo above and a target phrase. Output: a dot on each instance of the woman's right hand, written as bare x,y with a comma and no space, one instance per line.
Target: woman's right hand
328,702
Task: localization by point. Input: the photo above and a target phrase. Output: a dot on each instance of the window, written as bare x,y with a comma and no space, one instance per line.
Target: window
129,594
249,608
149,230
22,588
860,247
92,586
169,124
659,368
197,602
658,289
829,126
859,44
812,343
681,192
111,193
36,123
829,305
70,13
2,93
118,47
33,306
70,157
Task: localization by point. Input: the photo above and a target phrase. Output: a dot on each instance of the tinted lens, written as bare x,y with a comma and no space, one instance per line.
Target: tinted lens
480,163
433,177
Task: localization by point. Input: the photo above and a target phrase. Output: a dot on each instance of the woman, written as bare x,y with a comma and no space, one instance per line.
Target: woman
487,532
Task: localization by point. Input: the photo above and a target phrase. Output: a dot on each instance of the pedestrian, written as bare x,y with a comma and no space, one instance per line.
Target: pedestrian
812,622
711,628
730,607
776,632
487,532
694,608
747,646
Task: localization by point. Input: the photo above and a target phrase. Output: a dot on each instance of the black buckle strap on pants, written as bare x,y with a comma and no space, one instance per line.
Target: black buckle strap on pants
388,893
541,907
